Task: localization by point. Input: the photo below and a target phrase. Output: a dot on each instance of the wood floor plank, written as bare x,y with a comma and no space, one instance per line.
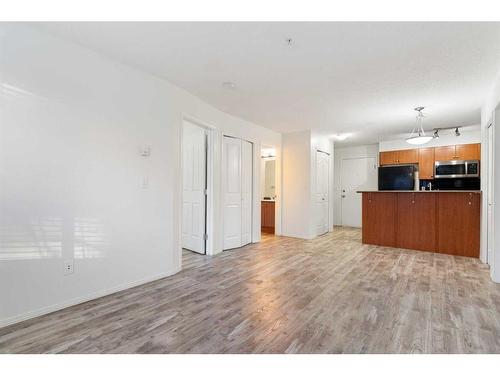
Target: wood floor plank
285,295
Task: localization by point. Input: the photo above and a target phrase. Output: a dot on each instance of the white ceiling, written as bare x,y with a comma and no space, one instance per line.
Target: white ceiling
360,78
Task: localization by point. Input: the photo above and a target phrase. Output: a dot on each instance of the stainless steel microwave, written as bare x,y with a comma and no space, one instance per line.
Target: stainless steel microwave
456,169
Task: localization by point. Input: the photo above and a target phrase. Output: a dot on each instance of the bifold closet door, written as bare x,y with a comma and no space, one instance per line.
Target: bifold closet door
237,192
194,165
321,192
231,172
246,192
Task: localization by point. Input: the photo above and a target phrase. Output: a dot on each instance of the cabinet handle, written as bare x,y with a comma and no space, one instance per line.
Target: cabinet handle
470,203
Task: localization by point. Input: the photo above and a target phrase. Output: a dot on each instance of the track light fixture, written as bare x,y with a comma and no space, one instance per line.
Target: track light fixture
457,131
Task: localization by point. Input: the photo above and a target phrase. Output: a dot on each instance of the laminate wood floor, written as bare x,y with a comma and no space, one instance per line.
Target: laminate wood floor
284,295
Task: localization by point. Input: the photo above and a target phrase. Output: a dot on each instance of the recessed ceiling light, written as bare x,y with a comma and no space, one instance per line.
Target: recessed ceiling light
229,85
341,137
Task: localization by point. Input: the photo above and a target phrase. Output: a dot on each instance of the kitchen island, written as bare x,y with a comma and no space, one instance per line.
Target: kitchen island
444,221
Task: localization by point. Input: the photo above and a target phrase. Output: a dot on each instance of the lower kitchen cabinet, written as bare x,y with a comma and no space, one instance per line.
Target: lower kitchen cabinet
459,224
441,222
416,221
379,219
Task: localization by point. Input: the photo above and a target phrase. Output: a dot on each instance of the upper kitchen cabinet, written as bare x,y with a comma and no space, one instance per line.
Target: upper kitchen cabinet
468,152
458,152
408,156
444,153
388,157
399,157
426,163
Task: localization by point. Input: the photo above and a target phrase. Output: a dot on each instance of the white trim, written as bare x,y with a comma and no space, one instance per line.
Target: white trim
89,297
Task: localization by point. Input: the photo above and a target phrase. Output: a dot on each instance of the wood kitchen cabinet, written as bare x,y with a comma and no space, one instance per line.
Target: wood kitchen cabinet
425,157
388,157
459,224
444,153
416,224
379,219
458,152
468,152
426,163
441,222
399,157
408,156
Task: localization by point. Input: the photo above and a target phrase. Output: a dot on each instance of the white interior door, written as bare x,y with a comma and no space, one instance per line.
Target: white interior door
357,174
490,182
321,198
246,192
232,178
194,168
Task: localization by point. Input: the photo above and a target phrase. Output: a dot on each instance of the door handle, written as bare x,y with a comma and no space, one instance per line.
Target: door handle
343,196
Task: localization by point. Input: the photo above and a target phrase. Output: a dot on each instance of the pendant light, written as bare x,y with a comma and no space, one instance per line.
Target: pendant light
417,136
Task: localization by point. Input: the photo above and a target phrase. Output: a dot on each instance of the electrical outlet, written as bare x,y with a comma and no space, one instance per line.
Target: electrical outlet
69,267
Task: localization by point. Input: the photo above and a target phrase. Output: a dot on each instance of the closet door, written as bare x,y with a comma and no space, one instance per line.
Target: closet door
321,192
246,192
232,192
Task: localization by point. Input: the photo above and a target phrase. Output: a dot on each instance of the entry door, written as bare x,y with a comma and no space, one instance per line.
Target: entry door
357,174
237,190
490,182
194,187
321,192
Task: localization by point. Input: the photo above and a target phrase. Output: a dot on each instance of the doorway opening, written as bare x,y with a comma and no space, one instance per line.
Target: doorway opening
196,187
268,190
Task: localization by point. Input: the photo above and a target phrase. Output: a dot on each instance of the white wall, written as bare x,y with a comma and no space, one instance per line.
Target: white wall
299,165
71,126
296,178
364,151
469,134
490,111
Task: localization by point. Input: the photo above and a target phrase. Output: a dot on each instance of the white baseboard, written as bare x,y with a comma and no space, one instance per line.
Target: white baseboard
299,235
75,301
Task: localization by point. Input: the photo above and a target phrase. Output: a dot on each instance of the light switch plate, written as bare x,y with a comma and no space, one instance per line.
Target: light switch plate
69,267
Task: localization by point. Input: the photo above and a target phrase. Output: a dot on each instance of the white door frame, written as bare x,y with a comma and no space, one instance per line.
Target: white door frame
490,193
209,213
